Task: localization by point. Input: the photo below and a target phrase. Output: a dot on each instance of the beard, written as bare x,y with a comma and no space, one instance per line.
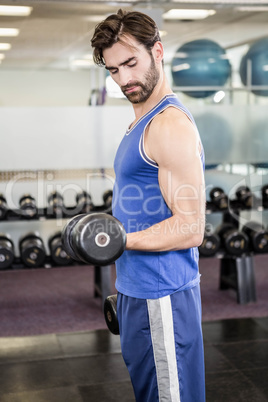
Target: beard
146,88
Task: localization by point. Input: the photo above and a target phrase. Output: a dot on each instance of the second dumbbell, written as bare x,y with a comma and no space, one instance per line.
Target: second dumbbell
110,314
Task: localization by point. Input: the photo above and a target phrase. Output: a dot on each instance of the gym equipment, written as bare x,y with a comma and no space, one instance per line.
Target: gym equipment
107,199
84,203
32,250
27,206
238,274
245,196
57,253
258,236
210,245
6,251
202,63
110,314
234,241
219,198
96,238
55,204
253,66
3,207
264,193
66,236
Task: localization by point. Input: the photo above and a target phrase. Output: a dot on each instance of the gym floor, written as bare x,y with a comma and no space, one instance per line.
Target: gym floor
88,366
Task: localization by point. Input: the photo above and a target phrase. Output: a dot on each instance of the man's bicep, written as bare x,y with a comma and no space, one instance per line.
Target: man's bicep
182,185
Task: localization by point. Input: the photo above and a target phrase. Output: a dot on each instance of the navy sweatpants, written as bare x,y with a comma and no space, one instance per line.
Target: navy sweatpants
162,346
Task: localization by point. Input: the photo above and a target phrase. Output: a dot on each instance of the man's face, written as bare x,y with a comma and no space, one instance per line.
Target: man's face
133,69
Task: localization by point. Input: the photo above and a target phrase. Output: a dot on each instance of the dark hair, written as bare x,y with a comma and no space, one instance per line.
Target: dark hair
108,32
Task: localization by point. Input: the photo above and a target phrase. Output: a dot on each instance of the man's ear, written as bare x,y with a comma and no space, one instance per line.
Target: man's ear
158,52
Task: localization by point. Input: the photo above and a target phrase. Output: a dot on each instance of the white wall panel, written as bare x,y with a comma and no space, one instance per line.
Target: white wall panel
61,138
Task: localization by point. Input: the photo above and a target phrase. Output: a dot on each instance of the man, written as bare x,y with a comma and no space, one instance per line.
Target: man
159,197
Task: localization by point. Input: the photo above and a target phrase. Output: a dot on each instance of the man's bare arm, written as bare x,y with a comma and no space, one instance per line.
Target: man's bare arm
173,142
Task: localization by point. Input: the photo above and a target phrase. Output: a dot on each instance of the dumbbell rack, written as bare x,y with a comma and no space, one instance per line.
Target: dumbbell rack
236,272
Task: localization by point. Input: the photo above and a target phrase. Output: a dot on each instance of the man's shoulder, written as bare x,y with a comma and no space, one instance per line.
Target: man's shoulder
171,117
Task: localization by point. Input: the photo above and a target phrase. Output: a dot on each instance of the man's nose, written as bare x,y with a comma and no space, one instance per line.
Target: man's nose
124,77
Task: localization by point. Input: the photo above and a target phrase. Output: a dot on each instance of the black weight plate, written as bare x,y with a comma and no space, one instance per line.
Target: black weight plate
222,201
264,193
83,195
32,253
28,211
31,236
260,242
242,191
59,256
99,239
107,197
257,235
3,207
110,314
6,258
57,253
210,245
215,192
249,200
3,211
84,203
54,236
54,195
66,236
6,253
236,243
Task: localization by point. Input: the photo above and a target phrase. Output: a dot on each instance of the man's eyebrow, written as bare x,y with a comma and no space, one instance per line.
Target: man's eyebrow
121,64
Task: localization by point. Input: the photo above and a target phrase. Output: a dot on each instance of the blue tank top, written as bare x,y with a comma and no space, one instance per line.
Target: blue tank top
139,204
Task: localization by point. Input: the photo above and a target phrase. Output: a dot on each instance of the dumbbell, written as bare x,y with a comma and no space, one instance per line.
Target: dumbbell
219,198
264,192
96,238
3,207
245,196
110,314
6,251
234,241
107,199
57,252
27,206
84,202
32,250
257,235
210,245
55,204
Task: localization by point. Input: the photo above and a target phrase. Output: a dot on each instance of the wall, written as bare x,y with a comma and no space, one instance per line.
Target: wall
44,88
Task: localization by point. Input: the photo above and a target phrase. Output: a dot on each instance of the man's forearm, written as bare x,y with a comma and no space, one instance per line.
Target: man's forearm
171,234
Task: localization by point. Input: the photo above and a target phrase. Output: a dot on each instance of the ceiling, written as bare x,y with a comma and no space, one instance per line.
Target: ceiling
58,32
